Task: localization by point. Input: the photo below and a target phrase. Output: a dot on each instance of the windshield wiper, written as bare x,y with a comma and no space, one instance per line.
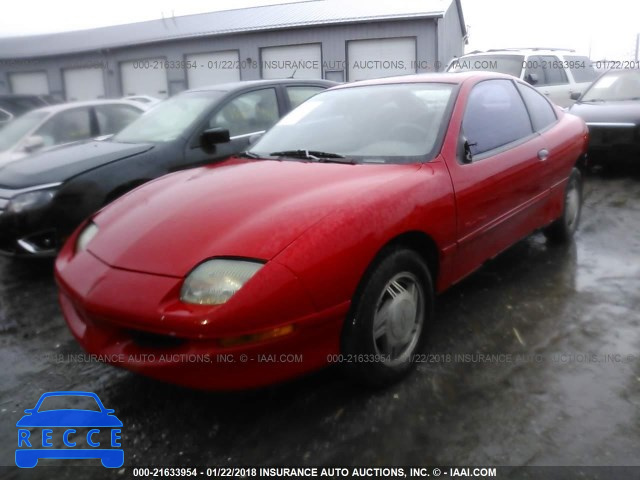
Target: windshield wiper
248,154
315,155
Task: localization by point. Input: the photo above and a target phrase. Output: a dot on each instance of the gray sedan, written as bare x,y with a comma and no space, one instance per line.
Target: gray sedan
65,123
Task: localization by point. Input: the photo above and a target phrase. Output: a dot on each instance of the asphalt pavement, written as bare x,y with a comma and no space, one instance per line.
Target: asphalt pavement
533,360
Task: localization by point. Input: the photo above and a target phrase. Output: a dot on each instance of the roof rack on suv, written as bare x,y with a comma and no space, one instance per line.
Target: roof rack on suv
530,48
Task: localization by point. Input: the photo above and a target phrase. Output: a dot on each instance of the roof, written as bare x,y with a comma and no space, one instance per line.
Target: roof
90,103
441,77
245,84
270,17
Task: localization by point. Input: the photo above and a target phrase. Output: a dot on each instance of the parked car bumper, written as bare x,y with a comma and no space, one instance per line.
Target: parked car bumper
28,234
613,143
130,320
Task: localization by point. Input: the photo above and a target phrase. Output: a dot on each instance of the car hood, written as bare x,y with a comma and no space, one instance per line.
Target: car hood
250,209
61,163
69,418
626,112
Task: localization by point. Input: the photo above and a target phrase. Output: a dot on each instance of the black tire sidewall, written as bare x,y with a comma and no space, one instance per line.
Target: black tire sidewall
574,179
357,337
558,231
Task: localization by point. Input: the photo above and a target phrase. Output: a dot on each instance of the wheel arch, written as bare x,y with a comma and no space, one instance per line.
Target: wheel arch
124,188
423,244
420,242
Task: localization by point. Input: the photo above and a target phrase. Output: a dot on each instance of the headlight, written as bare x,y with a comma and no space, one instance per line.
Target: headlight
86,236
216,281
30,200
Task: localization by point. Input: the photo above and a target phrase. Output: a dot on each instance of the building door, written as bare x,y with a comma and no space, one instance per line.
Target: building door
292,61
83,84
144,77
212,68
32,83
380,58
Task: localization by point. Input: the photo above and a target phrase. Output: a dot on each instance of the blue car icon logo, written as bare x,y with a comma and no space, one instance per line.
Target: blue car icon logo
49,431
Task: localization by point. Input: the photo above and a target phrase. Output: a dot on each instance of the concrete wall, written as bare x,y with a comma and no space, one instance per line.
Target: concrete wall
333,40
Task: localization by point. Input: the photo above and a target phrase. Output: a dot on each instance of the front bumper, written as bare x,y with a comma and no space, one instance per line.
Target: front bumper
613,143
132,320
29,233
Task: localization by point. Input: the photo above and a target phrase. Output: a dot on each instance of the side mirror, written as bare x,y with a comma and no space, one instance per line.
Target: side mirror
532,78
575,95
33,143
464,150
213,136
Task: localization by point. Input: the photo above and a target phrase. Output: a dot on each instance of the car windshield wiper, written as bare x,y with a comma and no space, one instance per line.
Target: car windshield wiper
248,154
315,155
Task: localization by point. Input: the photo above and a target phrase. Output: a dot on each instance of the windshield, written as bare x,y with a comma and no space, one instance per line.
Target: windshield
615,86
509,64
16,130
378,123
169,119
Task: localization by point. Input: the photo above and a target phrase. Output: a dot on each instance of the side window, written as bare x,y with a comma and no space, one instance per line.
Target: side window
540,110
248,113
495,116
67,126
113,118
581,69
534,71
297,95
554,70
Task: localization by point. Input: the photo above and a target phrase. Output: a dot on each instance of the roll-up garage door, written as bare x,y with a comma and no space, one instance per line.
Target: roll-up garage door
83,83
32,83
292,61
381,58
144,77
213,68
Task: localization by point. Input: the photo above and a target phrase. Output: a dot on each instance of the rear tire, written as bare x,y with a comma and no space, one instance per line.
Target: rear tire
564,228
388,319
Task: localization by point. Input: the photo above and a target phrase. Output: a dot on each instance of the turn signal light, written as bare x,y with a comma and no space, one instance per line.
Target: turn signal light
256,337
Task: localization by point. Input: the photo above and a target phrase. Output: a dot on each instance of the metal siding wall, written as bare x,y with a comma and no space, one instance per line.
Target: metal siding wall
450,36
333,39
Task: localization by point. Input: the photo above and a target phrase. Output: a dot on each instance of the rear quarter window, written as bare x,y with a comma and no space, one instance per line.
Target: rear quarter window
540,110
581,69
554,70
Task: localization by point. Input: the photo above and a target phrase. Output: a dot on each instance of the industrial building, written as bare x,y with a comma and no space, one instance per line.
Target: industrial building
344,40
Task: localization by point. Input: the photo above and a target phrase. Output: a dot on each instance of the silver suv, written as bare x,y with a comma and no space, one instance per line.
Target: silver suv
560,74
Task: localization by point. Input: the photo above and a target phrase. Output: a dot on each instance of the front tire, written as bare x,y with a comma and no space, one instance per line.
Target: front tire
388,320
564,228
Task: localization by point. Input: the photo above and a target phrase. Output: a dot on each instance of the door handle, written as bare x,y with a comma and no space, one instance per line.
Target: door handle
543,154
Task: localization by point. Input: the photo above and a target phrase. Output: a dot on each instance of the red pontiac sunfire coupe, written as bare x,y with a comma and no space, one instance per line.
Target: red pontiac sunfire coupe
329,239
